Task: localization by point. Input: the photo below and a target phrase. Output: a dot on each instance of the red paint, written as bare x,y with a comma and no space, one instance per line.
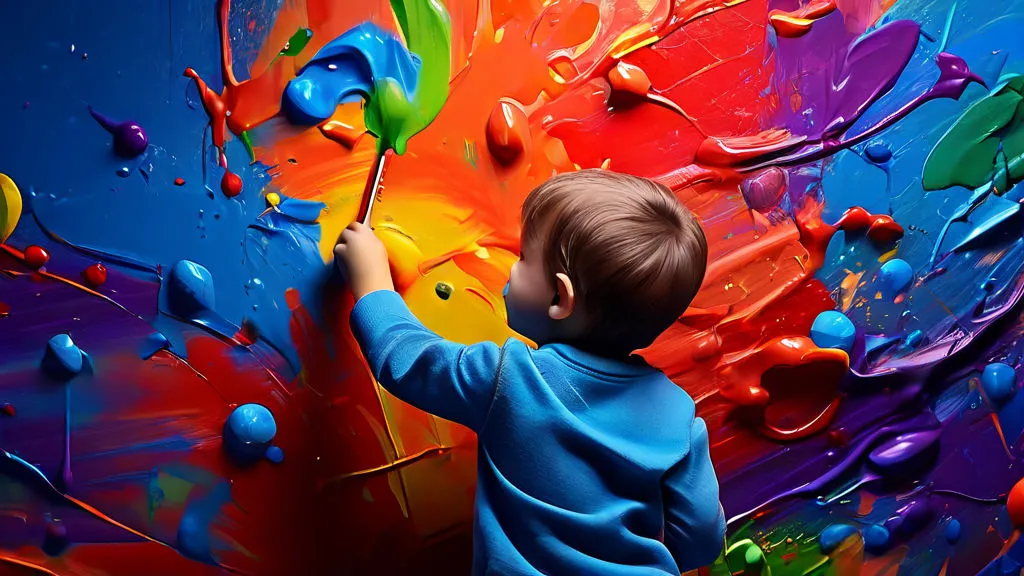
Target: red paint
231,184
1015,504
796,23
5,310
8,409
881,228
341,133
736,150
247,334
179,181
36,257
508,131
626,78
95,275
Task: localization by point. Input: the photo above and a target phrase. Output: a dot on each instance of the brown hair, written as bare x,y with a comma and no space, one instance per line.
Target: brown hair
636,256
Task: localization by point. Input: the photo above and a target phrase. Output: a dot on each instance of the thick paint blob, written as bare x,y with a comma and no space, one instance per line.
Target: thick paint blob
906,453
62,359
248,432
834,535
10,207
763,190
895,276
190,289
832,329
36,257
1015,504
95,275
999,381
130,139
231,184
508,131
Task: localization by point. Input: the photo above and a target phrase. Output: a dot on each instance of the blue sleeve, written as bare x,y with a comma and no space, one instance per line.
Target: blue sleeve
450,380
694,519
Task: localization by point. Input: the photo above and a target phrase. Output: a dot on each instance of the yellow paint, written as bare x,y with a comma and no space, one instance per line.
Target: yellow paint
273,198
606,164
10,207
888,255
498,35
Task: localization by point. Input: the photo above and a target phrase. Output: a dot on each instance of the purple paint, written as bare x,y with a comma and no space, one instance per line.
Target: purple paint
905,453
763,190
130,139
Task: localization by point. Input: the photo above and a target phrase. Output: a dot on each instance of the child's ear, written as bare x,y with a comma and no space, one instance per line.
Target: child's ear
565,298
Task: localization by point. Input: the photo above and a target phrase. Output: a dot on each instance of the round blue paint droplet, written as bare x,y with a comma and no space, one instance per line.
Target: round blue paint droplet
953,531
998,380
876,538
831,537
275,454
248,432
895,276
878,153
62,359
123,172
832,329
190,289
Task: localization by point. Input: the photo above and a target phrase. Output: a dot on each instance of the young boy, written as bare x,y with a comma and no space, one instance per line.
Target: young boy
590,461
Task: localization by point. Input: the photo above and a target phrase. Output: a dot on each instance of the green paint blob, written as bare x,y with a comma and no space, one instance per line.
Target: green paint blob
297,42
427,28
443,290
969,154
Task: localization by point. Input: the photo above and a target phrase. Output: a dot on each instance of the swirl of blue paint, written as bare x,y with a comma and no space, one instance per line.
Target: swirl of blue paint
248,432
895,276
831,537
349,66
832,329
63,359
998,380
190,289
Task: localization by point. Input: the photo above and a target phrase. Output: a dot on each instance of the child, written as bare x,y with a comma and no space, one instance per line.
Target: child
590,461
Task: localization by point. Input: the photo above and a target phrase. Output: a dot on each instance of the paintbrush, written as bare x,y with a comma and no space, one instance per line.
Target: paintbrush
373,187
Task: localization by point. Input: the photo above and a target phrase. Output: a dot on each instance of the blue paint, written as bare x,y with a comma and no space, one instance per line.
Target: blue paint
248,432
190,289
348,66
152,344
831,537
952,531
832,329
62,359
998,380
275,454
876,538
194,538
878,152
306,211
894,276
914,339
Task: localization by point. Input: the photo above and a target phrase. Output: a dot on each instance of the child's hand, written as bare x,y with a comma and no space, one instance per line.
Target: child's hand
363,260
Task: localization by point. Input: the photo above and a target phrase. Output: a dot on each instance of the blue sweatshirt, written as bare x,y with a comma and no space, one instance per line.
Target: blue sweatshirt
586,465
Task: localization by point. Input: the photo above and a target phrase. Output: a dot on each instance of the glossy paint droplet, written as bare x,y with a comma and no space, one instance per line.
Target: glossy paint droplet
878,152
906,454
130,139
764,190
895,276
231,184
998,380
1015,504
508,131
179,181
95,275
832,329
36,257
831,537
248,432
952,531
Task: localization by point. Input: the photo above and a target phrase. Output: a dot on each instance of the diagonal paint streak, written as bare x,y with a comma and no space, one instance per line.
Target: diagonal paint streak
25,564
399,463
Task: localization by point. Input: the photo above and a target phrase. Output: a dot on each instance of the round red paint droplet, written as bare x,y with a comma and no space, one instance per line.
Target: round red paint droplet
179,181
8,409
1015,504
231,184
95,275
36,257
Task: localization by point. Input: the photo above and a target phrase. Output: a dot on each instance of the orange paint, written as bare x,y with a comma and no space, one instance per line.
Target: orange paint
798,22
508,131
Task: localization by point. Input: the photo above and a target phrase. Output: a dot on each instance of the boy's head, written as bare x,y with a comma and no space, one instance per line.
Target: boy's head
608,262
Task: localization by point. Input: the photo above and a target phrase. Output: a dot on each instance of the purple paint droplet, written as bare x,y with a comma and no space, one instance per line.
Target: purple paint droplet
905,453
764,190
954,77
130,139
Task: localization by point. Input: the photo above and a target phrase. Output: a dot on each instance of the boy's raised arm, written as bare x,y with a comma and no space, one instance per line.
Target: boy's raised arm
694,519
453,381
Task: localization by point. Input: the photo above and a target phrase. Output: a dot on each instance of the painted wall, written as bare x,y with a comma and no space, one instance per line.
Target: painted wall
855,156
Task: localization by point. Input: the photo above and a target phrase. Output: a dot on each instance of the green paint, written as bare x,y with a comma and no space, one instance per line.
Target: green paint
427,28
443,290
297,42
969,155
247,140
